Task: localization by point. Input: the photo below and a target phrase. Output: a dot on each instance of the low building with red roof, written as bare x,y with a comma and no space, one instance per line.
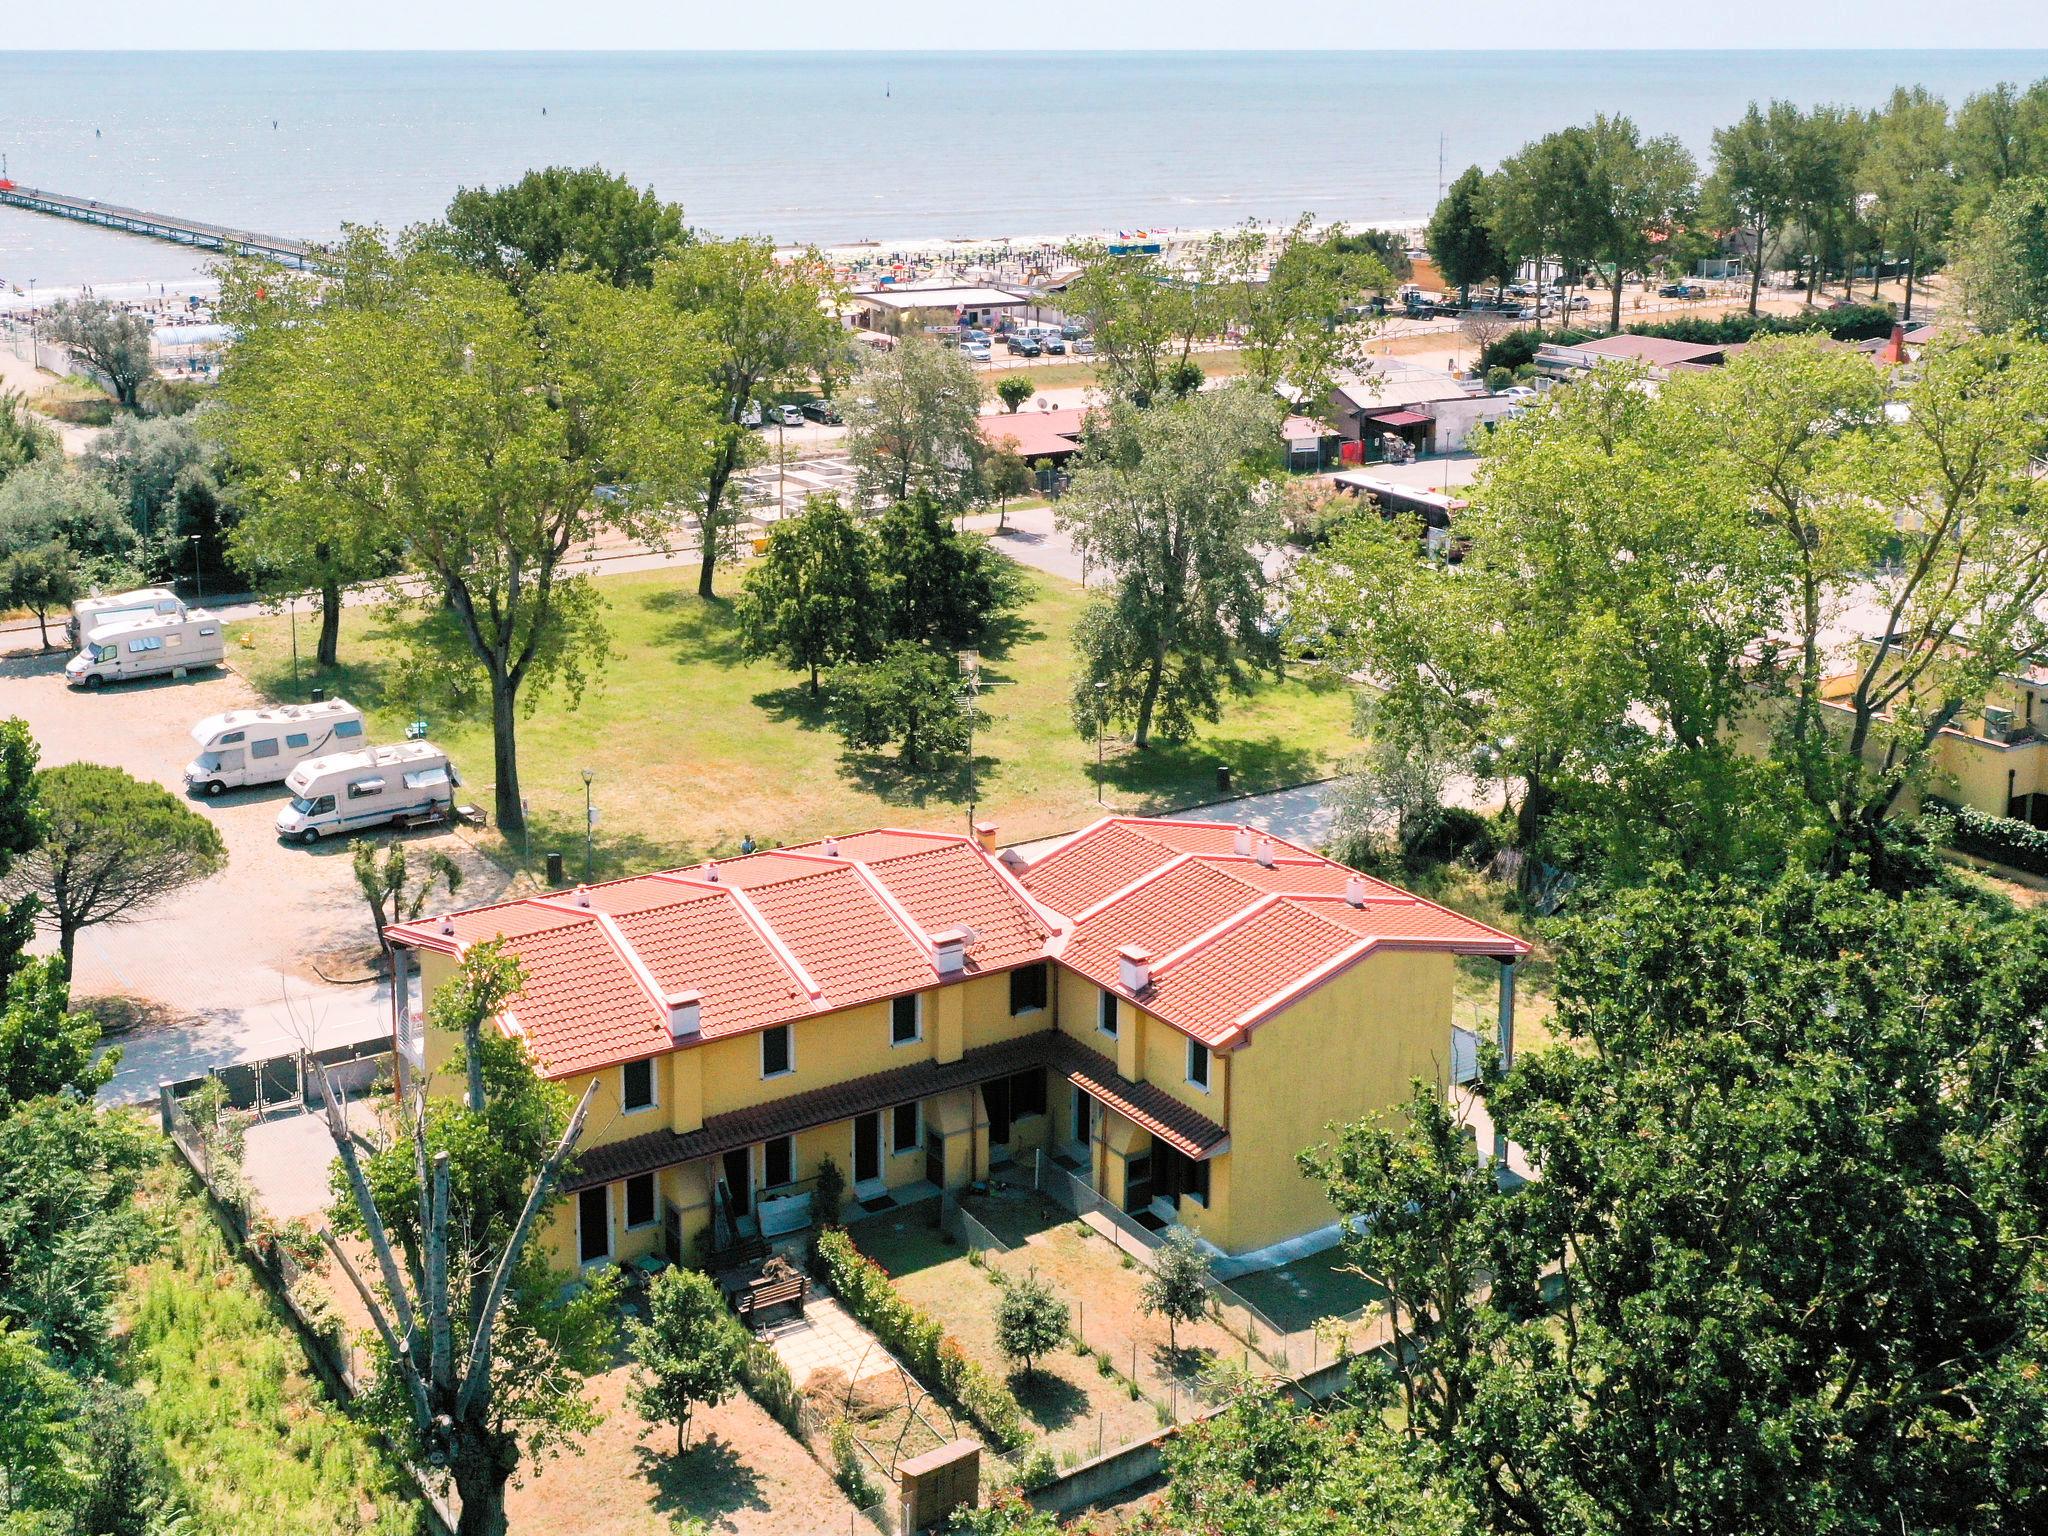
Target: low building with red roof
1171,1009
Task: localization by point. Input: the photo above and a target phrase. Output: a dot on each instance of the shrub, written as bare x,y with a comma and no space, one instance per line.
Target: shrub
1498,378
1454,832
765,1379
848,1471
2002,839
1036,1470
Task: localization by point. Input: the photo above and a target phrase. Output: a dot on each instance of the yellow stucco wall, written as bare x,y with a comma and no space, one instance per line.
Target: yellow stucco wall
1346,1050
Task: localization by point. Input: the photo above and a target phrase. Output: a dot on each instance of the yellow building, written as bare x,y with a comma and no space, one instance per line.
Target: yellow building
1171,1010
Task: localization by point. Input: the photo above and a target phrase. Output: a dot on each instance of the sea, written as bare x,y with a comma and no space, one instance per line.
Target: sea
846,147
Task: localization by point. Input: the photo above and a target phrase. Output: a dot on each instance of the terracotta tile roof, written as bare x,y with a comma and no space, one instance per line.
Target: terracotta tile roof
765,939
1165,1117
1233,935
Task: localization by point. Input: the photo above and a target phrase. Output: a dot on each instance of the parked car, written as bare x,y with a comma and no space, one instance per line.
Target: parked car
1053,343
790,416
976,351
1083,346
824,412
1023,346
751,416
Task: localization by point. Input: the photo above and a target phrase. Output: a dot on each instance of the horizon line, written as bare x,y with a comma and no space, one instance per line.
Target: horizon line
897,52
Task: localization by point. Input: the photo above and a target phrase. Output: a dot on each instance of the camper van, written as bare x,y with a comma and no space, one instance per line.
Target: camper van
410,783
261,746
89,613
169,642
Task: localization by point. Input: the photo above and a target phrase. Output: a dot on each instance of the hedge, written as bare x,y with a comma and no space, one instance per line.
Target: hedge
865,1289
2002,839
1852,322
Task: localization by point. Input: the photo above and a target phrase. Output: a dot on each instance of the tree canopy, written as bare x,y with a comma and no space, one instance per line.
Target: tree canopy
913,427
561,219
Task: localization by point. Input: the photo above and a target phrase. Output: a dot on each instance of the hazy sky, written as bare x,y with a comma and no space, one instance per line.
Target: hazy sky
1048,24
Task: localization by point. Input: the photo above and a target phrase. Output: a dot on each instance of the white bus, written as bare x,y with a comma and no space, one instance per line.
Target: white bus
260,746
411,783
89,613
170,642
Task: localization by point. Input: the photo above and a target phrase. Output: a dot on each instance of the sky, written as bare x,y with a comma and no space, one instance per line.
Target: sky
1047,24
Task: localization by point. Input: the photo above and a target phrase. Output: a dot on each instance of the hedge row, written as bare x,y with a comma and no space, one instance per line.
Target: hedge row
1852,322
867,1292
2002,839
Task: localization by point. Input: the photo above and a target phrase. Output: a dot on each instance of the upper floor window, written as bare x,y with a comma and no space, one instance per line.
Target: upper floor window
778,1051
906,1016
636,1086
1028,988
1198,1065
1105,1013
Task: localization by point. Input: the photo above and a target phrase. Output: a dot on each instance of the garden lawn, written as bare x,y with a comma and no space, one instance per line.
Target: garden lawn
1300,1294
694,747
253,1441
1077,1408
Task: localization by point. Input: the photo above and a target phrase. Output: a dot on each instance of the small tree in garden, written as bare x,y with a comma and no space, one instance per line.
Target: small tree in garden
1005,474
387,884
1177,1288
689,1351
827,1194
1014,391
909,696
1031,1321
810,602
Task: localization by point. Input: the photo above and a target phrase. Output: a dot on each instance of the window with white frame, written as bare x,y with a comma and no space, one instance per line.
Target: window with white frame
906,1019
636,1086
778,1051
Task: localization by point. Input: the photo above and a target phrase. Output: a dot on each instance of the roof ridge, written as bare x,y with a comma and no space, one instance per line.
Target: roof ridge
1131,887
763,929
892,906
1265,903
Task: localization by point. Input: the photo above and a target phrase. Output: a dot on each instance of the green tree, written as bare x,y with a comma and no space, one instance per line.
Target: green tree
477,429
1751,187
21,828
1005,474
141,459
483,1357
1637,192
688,1351
112,847
45,1048
1906,169
1168,501
39,578
39,1457
1014,391
907,695
1387,247
935,586
2001,135
1031,1321
561,219
24,436
1177,1289
762,325
114,341
384,875
1460,238
2001,268
1824,147
49,501
68,1221
811,601
1293,301
126,1490
1146,318
1539,206
913,427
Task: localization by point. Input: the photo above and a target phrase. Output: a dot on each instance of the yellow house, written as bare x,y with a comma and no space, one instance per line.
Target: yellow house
1993,758
1171,1010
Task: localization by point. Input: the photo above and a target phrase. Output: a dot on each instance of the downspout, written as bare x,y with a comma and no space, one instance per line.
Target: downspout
1507,1060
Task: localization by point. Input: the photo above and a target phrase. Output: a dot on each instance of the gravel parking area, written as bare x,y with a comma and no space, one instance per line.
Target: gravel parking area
231,969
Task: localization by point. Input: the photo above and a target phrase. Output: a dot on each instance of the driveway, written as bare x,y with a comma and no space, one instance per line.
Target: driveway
264,957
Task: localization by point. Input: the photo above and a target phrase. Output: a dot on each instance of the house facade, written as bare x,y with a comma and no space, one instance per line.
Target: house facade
1172,1010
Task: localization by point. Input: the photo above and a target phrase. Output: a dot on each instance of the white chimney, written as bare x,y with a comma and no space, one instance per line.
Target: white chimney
1134,967
582,895
711,873
949,950
1241,842
831,847
685,1014
447,925
1354,890
1265,853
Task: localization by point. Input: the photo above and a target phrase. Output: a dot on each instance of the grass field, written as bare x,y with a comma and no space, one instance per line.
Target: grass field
254,1443
694,747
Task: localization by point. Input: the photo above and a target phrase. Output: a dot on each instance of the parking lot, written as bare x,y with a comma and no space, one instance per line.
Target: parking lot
269,954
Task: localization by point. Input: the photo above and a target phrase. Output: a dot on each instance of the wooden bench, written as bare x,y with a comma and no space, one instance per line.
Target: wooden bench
761,1294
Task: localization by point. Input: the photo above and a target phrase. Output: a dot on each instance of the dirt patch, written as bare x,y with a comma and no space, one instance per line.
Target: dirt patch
126,1015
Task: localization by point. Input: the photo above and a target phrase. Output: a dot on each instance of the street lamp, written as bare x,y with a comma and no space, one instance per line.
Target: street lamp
589,823
198,577
291,606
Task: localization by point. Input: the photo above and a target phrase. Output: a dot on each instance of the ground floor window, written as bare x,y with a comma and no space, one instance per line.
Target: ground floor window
593,1225
640,1201
778,1162
1177,1176
905,1132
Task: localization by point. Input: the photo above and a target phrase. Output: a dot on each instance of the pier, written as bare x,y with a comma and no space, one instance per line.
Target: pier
157,226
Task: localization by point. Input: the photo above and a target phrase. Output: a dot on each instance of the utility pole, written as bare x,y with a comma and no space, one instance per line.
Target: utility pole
589,824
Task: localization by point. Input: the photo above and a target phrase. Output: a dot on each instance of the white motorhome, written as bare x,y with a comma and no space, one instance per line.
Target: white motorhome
89,613
169,642
412,782
261,746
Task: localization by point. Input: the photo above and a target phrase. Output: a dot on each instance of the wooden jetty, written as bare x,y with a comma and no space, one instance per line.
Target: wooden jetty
157,226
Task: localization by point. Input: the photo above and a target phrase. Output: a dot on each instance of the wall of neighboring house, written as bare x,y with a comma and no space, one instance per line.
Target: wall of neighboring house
1344,1051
